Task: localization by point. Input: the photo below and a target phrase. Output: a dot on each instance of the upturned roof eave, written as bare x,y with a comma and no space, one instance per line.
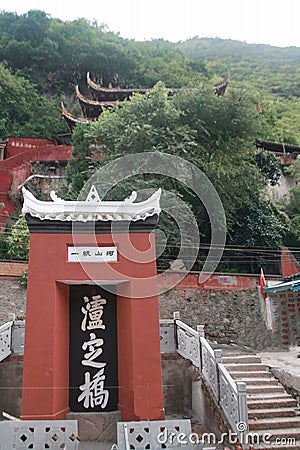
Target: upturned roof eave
60,209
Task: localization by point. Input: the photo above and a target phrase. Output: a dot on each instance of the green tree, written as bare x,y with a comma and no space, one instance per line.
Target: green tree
269,166
18,240
23,111
82,165
216,134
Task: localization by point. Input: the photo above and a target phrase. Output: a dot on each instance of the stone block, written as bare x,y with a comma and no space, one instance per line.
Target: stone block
98,426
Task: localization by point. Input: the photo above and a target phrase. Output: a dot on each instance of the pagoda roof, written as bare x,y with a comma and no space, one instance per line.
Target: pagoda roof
111,90
93,103
277,147
92,209
220,87
71,119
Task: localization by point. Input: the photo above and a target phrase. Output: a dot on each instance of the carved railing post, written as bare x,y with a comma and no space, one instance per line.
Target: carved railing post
218,358
242,426
17,337
200,329
229,394
218,355
201,334
11,317
176,316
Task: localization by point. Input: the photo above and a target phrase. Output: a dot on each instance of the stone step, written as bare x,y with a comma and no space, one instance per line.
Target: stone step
271,410
250,374
264,413
274,423
265,389
259,402
241,359
245,367
259,381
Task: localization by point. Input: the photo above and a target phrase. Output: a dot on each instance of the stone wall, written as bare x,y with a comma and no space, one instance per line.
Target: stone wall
230,317
178,375
12,299
11,372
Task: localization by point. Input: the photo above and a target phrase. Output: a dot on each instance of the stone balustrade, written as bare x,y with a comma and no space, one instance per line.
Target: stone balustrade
175,335
191,344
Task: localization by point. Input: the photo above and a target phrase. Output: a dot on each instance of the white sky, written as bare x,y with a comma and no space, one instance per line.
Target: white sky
275,22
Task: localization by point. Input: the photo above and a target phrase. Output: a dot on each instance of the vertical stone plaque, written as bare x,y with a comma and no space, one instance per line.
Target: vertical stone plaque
93,350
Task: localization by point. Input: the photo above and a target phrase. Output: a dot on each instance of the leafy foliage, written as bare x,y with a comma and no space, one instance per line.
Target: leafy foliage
18,240
259,224
23,279
42,58
54,54
23,110
215,134
272,72
269,166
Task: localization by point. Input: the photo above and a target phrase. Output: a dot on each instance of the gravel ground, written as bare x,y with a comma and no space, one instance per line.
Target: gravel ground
12,300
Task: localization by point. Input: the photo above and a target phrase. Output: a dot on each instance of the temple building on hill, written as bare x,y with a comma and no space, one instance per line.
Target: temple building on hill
103,94
103,98
220,87
286,153
106,97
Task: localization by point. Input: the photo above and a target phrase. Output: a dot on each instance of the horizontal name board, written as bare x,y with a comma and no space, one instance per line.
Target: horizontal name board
92,254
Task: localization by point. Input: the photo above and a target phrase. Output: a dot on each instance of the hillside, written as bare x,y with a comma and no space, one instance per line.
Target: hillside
43,59
272,72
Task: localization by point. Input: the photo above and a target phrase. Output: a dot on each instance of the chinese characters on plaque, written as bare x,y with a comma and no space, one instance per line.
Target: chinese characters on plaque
92,254
93,390
93,349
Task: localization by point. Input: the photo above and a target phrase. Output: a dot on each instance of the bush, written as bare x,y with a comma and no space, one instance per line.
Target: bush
18,240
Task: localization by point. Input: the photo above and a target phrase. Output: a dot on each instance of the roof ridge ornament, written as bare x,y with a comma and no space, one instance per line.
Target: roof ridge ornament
91,209
93,195
132,197
54,197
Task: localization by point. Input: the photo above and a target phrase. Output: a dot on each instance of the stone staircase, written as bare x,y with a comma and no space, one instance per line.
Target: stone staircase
273,413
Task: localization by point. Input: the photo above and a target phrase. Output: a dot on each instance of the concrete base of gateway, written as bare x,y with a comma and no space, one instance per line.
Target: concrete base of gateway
97,427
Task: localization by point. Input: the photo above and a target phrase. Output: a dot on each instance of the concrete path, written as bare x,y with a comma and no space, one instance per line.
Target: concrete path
285,366
287,360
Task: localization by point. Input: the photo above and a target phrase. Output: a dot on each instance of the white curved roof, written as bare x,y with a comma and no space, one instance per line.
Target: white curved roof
92,209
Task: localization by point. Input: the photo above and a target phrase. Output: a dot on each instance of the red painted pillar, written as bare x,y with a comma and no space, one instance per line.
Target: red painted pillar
46,356
140,376
139,358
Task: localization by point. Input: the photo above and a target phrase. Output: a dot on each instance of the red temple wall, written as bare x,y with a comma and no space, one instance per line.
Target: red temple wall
18,145
289,265
15,169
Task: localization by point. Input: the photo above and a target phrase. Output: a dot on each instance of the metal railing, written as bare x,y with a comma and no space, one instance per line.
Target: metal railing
230,395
